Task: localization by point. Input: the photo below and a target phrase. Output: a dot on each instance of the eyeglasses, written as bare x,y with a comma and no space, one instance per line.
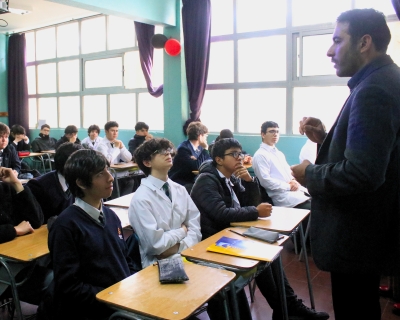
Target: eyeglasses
235,154
164,152
273,131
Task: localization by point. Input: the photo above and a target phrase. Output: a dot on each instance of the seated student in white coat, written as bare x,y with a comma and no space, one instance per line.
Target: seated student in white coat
161,211
112,148
93,139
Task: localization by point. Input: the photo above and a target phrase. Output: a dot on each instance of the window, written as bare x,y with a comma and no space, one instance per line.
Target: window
88,72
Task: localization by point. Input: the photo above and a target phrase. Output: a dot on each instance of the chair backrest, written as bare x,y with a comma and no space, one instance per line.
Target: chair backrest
132,243
264,195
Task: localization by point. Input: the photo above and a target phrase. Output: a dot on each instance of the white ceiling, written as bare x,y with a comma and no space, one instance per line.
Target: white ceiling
43,13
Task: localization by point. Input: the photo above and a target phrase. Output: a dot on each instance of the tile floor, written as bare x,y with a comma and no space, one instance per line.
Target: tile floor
295,272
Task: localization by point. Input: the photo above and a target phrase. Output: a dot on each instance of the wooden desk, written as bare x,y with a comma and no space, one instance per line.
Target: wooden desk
122,214
40,156
124,166
122,202
28,247
142,293
52,152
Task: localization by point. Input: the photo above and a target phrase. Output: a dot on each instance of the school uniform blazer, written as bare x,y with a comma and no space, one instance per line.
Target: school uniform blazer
355,183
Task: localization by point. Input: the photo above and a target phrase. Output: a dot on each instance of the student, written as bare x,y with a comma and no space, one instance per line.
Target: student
87,247
19,138
93,140
142,134
190,155
44,142
70,135
161,211
51,189
112,148
224,192
8,154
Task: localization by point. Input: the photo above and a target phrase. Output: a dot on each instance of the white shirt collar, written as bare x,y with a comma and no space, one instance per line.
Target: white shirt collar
62,182
90,210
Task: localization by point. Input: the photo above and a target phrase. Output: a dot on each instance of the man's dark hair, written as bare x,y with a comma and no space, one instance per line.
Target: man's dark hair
141,125
195,129
146,150
71,129
4,129
268,124
221,146
110,124
83,165
17,129
225,133
62,154
367,21
44,126
93,127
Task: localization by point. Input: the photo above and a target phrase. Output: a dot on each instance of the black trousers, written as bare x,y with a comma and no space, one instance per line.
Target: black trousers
355,296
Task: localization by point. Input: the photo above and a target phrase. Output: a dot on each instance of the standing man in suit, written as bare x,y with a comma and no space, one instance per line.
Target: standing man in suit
190,155
355,182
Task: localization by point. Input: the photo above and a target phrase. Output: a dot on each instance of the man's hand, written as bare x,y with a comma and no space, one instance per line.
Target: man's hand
11,176
118,144
169,252
294,186
23,228
184,228
203,141
247,159
242,173
264,209
313,128
299,171
148,137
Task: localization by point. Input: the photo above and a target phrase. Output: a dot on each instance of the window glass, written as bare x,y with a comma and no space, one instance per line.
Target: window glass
308,12
123,110
221,62
120,33
315,60
157,73
262,59
103,73
68,76
70,111
30,46
394,45
68,40
221,17
93,35
94,110
151,111
48,111
384,6
266,104
46,78
217,111
31,78
254,15
33,119
133,75
46,43
313,102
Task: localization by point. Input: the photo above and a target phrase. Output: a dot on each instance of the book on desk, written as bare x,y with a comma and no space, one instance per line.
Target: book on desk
245,248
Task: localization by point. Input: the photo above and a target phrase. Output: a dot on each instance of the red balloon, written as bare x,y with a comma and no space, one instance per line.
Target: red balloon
172,47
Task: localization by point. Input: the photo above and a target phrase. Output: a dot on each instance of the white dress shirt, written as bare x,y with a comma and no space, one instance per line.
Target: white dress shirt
113,154
157,220
87,141
308,151
274,173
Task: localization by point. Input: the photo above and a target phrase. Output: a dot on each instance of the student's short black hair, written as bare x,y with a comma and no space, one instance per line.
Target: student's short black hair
4,129
195,129
146,150
17,129
93,127
225,133
221,146
268,124
367,21
141,125
62,154
71,129
44,126
110,124
83,165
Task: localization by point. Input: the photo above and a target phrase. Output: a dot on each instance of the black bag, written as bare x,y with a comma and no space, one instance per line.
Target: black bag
172,270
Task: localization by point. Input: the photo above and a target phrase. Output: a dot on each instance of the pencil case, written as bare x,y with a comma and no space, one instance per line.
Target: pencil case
260,234
172,270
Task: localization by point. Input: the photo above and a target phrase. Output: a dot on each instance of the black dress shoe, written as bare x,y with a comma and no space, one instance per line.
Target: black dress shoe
298,311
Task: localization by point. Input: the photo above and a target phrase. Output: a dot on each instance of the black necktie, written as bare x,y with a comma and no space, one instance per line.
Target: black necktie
68,193
101,218
93,142
112,144
166,190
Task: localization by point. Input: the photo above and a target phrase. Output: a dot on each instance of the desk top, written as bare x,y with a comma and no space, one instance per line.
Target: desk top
124,165
32,154
199,252
122,214
282,220
49,151
122,202
28,247
142,293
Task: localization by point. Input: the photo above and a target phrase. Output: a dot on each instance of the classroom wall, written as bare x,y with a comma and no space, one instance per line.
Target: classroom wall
3,77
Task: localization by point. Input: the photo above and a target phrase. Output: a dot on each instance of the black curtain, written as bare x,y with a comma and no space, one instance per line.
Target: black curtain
396,6
18,108
196,22
144,33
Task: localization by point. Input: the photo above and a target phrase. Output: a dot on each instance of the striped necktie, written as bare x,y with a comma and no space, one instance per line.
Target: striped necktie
166,190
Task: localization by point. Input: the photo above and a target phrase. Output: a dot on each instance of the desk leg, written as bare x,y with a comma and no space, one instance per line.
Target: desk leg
277,269
48,158
303,244
14,290
305,237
